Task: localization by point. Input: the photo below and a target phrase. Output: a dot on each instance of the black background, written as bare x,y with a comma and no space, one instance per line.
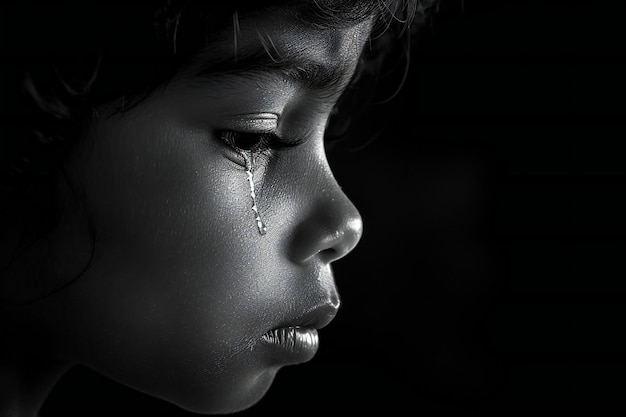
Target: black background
490,276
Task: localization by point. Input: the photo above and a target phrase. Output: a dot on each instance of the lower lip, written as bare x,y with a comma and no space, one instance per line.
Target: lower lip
294,344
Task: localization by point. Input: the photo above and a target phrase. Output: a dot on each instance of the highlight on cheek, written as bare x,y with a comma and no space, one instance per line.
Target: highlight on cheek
249,171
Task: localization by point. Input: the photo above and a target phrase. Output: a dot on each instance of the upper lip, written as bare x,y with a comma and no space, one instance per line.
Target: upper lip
317,317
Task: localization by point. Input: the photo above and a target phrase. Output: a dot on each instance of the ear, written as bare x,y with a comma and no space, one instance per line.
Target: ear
36,260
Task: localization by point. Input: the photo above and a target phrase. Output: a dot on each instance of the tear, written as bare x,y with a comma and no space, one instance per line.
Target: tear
249,171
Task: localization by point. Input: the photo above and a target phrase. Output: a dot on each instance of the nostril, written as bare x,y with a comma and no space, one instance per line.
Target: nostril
329,255
343,241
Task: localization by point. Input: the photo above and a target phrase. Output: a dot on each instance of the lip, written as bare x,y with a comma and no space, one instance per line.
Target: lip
297,341
317,317
293,344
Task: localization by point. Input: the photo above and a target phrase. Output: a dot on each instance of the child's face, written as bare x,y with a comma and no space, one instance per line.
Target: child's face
183,286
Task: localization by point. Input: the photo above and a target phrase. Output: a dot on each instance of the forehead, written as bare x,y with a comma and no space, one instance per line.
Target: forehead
285,35
278,39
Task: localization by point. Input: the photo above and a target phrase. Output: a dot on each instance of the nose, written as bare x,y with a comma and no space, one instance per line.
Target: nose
331,228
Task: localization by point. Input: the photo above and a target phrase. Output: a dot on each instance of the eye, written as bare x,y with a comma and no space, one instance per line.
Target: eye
246,141
255,142
255,145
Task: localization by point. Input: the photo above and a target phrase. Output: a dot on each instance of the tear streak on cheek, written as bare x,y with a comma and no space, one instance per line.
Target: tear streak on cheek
255,209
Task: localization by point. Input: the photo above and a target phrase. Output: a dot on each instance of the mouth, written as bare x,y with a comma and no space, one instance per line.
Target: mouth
297,343
301,343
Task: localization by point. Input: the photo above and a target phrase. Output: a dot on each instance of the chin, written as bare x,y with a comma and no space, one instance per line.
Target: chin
229,397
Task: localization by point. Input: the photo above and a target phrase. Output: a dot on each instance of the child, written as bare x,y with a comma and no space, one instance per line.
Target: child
173,223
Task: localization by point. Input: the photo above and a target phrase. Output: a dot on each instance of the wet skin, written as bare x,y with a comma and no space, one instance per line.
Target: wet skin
182,286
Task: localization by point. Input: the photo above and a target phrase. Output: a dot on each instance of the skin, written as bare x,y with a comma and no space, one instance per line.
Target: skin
182,286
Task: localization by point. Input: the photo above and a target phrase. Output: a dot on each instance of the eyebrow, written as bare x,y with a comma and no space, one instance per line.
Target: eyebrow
330,79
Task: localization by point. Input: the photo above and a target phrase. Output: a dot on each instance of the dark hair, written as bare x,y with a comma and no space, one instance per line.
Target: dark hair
69,58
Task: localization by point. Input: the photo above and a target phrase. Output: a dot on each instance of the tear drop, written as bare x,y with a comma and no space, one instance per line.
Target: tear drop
250,173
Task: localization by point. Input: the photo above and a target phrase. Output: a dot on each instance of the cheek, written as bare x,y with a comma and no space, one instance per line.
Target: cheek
162,181
172,211
182,284
178,275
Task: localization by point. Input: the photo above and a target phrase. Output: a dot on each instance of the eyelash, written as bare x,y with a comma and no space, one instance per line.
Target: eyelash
250,142
258,145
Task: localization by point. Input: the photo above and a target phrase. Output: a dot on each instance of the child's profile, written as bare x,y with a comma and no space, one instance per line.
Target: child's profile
169,217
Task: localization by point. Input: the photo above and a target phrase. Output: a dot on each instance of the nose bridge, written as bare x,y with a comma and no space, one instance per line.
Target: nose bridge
332,226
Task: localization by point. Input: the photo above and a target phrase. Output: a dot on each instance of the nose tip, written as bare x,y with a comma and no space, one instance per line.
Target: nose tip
330,225
327,235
